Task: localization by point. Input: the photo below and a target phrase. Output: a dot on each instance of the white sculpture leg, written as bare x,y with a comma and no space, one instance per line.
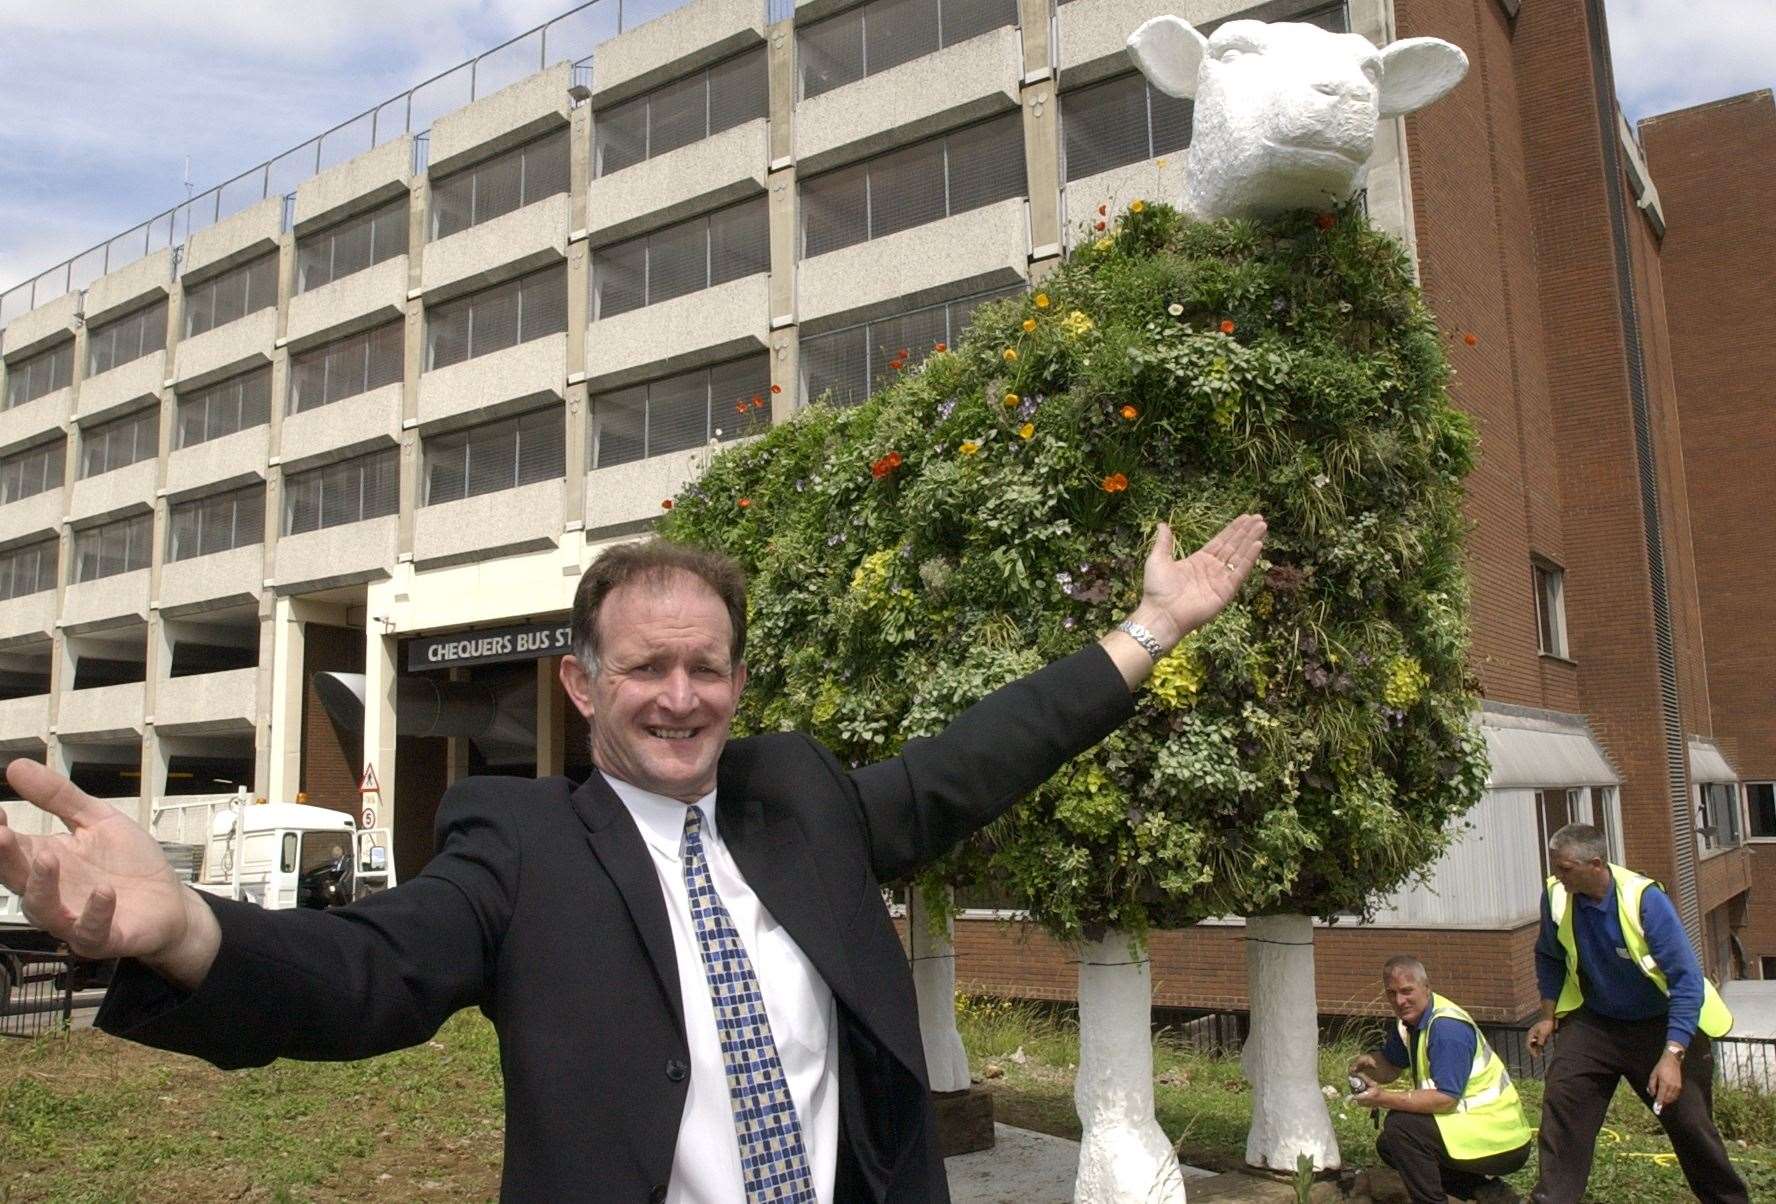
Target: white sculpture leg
934,982
1281,1058
1124,1157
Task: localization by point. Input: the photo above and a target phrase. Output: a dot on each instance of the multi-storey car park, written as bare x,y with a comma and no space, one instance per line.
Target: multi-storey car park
377,422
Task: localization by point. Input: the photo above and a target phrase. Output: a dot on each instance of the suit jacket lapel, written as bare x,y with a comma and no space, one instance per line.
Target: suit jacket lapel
620,849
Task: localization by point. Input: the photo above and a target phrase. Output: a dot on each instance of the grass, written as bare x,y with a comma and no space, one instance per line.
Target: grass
85,1117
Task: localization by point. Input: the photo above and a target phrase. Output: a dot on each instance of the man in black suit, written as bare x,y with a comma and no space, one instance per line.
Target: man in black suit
698,993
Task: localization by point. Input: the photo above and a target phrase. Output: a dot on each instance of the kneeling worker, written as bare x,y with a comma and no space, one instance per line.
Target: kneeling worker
1459,1125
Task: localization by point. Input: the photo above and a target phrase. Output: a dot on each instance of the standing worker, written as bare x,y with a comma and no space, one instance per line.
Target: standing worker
1459,1125
1621,983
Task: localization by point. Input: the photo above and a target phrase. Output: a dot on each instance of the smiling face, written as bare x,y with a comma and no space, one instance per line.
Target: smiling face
663,698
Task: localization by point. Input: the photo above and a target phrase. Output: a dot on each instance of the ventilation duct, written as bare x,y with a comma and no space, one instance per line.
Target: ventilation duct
502,720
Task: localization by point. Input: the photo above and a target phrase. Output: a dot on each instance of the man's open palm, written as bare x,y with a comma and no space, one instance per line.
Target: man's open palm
104,886
1193,590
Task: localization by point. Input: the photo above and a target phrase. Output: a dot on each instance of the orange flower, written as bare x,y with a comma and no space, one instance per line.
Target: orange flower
1041,300
894,460
1029,325
1099,226
776,388
1325,221
940,346
1129,413
1470,339
1103,210
1227,326
739,407
896,364
744,502
1010,355
1026,430
1114,483
758,402
1011,399
666,505
880,468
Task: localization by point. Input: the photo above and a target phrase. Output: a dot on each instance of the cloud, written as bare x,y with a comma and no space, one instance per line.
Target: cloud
1668,56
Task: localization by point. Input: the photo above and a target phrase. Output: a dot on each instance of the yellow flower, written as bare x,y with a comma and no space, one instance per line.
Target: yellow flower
1011,399
1137,205
1010,355
1041,300
1159,163
1026,430
1076,324
1029,325
1103,244
970,446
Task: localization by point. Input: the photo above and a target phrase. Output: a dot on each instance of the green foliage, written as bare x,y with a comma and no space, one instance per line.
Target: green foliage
990,511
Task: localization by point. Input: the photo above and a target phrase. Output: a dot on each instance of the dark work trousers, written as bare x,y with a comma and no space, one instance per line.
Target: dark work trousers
1411,1143
1590,1053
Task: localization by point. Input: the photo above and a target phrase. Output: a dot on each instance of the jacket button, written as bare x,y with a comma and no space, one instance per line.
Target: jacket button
658,1195
676,1071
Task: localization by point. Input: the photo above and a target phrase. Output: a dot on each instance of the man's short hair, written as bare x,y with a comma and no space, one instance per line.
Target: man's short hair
1582,841
655,562
1405,963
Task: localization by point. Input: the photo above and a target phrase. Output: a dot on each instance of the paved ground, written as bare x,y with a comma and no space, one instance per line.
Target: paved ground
1021,1168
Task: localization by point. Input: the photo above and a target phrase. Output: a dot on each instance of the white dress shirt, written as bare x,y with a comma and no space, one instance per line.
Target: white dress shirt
706,1164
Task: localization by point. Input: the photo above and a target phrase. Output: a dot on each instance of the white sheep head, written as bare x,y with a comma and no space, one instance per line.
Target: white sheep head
1285,113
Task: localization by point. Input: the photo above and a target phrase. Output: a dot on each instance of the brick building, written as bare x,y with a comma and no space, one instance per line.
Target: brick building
368,410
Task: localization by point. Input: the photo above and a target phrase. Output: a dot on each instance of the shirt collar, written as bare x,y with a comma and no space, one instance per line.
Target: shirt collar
1607,903
662,819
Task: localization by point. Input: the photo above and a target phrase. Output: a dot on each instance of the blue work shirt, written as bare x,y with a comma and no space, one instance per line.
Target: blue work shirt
1614,986
1451,1052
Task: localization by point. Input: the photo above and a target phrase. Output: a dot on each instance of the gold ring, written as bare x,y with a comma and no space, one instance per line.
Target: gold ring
1228,566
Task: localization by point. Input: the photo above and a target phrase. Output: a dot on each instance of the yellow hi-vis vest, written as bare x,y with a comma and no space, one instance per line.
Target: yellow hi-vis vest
1487,1119
1630,886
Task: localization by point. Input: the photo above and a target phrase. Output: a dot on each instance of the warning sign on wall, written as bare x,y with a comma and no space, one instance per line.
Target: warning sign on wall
368,784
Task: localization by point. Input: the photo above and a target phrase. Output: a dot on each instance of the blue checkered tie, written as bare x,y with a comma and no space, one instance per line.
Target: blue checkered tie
773,1162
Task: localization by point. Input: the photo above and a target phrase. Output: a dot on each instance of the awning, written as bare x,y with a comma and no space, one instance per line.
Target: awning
1708,765
1532,749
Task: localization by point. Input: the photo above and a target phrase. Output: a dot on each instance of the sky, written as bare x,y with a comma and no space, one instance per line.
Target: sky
103,101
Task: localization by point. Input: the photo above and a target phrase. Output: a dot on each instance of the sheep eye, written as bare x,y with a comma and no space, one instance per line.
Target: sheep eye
1231,53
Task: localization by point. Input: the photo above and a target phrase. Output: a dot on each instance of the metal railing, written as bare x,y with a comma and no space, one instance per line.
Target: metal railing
36,992
572,36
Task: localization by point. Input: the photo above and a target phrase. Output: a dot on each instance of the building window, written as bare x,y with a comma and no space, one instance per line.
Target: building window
846,366
1118,121
677,114
925,182
531,307
1760,804
128,338
725,402
1550,594
234,519
40,374
347,366
1718,815
347,492
32,471
237,404
351,246
1555,808
497,186
28,569
112,548
232,295
120,443
681,259
886,33
496,455
1768,966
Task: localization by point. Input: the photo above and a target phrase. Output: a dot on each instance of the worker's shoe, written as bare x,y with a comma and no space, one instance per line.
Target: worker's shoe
1496,1191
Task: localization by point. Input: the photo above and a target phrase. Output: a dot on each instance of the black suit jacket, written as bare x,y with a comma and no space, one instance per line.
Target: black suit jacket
542,908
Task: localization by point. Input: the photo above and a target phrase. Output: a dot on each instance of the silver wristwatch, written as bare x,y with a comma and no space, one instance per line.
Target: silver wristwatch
1141,636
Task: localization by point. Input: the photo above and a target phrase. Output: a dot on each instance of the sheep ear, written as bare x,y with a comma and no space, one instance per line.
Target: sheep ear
1417,71
1169,52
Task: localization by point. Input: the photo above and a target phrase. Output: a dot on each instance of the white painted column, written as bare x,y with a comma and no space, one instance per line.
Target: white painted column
1281,1058
934,982
380,672
284,739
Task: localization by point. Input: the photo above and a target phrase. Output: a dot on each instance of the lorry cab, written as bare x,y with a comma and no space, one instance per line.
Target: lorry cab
288,855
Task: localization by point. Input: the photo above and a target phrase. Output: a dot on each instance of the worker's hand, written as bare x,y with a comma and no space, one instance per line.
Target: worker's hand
104,886
1540,1033
1372,1098
1666,1083
1178,596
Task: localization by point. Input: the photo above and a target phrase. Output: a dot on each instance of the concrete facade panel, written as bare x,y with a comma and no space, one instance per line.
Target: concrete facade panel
253,231
526,517
202,703
1114,189
87,605
51,320
101,713
699,328
19,424
24,723
373,177
629,493
38,514
682,183
234,459
226,350
505,247
129,286
530,370
958,84
982,248
236,575
675,44
363,299
507,118
123,384
28,618
329,431
1091,36
122,489
336,555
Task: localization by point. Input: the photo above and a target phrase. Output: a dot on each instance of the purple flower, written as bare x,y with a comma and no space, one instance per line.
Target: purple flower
945,408
1064,578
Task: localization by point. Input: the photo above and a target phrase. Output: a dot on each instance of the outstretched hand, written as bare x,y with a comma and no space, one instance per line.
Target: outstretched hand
1178,596
104,886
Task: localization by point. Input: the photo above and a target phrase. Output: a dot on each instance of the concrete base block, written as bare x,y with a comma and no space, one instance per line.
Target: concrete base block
964,1121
